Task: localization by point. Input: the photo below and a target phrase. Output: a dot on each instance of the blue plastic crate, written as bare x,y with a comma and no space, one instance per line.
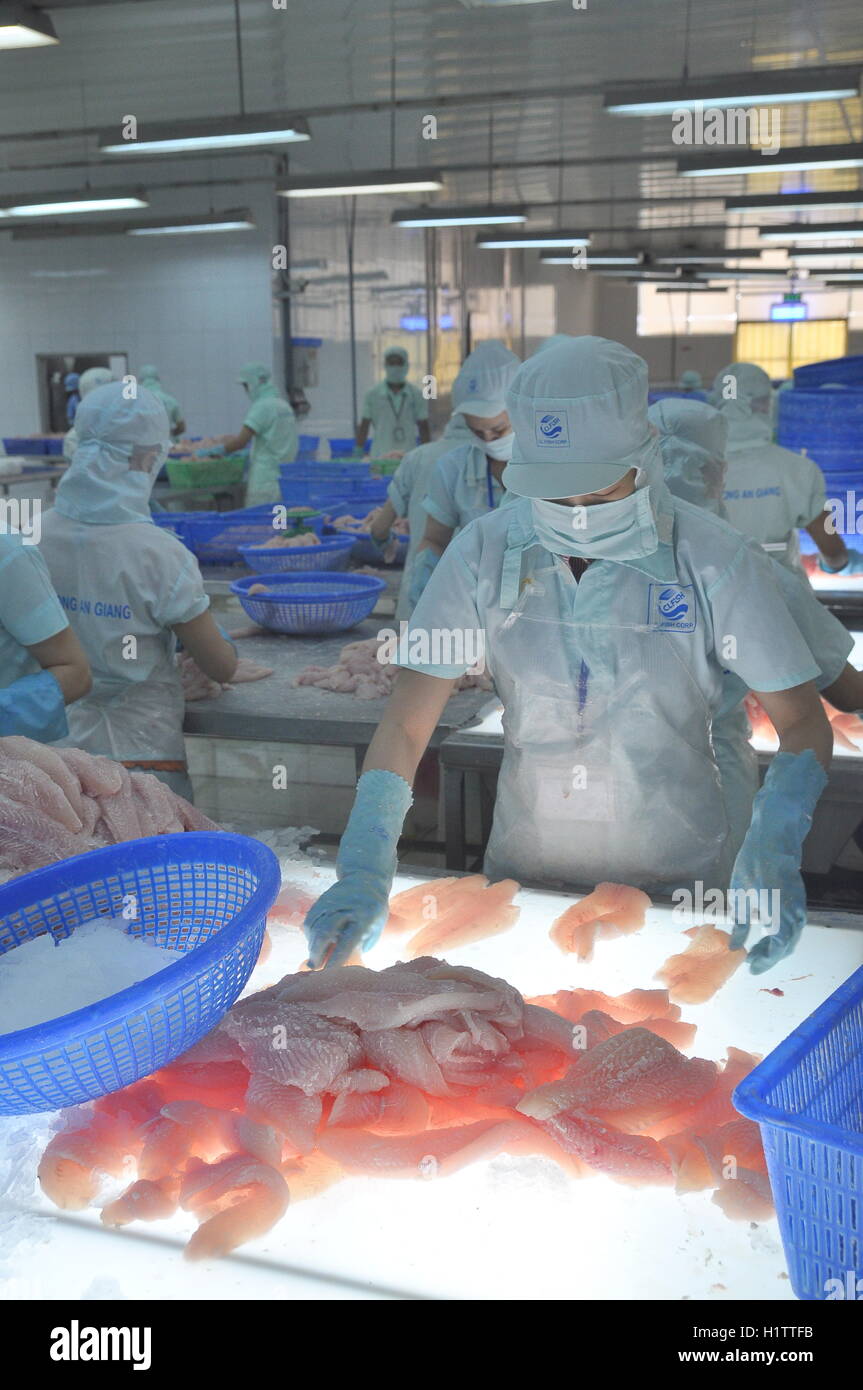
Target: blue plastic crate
837,371
333,553
27,446
807,1098
310,604
206,894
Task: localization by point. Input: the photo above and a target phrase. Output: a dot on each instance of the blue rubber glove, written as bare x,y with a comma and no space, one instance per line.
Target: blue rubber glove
770,855
227,636
853,565
423,569
353,912
34,706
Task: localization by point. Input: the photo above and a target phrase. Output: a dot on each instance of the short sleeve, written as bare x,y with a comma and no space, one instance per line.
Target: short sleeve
400,488
445,636
814,501
439,501
828,640
30,610
184,597
754,634
258,416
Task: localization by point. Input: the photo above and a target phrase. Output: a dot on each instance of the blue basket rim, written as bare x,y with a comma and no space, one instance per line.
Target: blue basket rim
362,584
25,1041
331,543
748,1096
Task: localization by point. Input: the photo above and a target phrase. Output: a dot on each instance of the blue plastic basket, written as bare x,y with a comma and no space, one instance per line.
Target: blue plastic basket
807,1097
841,371
175,522
28,446
333,553
206,894
215,538
310,604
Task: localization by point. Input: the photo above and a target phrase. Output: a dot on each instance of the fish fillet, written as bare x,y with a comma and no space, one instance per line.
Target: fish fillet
472,917
695,975
612,909
628,1157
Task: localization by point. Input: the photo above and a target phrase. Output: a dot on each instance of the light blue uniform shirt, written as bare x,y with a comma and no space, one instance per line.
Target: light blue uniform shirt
462,487
30,611
394,416
609,686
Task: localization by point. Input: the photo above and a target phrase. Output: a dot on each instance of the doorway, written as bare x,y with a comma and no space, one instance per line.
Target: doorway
780,347
55,373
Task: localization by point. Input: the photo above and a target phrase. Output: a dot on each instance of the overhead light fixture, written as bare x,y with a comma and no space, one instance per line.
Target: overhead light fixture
795,202
739,89
213,133
596,258
23,27
722,272
848,281
795,157
444,216
721,254
512,241
690,289
175,228
358,184
812,231
61,204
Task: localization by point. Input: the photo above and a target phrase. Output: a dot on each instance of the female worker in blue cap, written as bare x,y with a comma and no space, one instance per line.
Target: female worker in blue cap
609,615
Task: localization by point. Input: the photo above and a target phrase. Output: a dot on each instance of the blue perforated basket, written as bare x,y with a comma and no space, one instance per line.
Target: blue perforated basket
333,553
807,1097
206,894
310,604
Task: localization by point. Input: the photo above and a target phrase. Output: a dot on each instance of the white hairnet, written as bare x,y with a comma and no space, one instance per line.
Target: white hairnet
690,380
579,411
93,377
481,385
692,438
122,443
735,390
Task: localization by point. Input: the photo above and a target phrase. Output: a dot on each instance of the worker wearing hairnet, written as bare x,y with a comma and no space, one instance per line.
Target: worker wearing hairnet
149,377
42,665
771,492
466,482
690,382
692,437
270,427
88,381
610,614
395,410
131,590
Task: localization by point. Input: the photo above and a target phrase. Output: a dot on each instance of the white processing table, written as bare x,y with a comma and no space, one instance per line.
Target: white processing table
503,1229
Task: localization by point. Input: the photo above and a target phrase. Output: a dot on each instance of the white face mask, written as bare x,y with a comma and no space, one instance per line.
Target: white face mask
500,449
623,530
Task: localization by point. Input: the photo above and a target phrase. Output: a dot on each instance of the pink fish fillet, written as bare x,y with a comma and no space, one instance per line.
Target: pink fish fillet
239,1198
612,909
629,1158
287,1108
434,1153
632,1007
418,907
143,1201
634,1073
696,974
471,918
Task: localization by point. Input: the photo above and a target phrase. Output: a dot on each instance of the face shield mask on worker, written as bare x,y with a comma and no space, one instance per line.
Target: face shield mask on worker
396,372
122,444
744,394
692,438
257,379
579,412
480,390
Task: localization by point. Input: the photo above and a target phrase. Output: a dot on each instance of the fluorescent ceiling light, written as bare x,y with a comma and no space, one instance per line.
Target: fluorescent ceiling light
812,231
721,254
216,133
183,228
690,289
796,157
512,241
444,216
597,258
362,183
794,202
839,257
739,89
750,273
849,277
23,27
55,206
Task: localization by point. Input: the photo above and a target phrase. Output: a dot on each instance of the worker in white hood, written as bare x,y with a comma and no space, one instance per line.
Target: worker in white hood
87,382
609,615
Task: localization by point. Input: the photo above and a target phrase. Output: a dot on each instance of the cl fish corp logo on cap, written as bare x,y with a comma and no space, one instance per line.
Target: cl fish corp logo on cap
551,428
672,608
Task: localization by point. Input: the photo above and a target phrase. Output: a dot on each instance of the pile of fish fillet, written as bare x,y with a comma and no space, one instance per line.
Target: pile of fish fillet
359,672
57,802
413,1072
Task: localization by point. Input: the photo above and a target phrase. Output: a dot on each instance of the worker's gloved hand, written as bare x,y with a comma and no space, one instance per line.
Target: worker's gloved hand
34,706
423,569
353,912
769,858
853,565
387,549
